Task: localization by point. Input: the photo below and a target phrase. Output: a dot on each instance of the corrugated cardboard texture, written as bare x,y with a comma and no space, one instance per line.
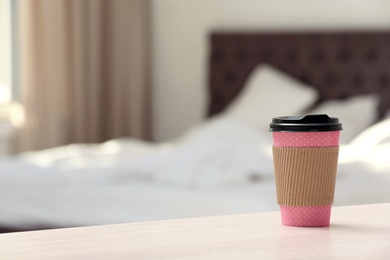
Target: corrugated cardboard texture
305,176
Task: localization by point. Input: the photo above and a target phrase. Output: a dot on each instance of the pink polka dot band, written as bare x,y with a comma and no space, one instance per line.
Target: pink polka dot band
306,139
306,216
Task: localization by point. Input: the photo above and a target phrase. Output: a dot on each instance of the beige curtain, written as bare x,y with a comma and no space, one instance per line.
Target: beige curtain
85,73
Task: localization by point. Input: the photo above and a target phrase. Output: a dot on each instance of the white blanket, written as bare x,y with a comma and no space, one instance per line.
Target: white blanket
220,167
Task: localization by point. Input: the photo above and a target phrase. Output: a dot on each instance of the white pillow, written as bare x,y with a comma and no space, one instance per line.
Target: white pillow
375,135
270,93
355,113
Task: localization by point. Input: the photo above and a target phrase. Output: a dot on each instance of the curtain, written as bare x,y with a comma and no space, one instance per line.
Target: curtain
85,71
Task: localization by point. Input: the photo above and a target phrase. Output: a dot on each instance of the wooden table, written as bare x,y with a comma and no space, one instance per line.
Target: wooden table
356,232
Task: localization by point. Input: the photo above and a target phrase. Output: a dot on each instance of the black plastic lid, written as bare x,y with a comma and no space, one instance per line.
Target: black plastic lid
308,123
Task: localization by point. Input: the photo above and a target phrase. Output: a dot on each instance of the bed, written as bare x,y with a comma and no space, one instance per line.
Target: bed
222,165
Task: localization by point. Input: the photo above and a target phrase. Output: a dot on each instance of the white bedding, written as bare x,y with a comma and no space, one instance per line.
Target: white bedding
220,167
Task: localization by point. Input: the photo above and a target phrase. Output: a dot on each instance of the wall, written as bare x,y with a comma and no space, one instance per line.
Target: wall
180,29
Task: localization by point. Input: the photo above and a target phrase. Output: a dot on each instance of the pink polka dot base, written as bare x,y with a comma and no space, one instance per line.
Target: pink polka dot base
306,216
303,216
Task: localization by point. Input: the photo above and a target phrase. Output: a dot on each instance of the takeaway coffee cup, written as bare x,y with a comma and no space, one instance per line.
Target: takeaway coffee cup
305,155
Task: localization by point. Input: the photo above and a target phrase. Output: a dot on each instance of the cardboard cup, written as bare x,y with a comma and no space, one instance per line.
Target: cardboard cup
305,161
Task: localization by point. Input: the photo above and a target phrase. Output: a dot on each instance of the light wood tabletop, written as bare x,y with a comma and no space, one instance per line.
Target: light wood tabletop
356,232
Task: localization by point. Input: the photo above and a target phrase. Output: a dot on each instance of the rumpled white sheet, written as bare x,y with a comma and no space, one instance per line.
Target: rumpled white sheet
219,167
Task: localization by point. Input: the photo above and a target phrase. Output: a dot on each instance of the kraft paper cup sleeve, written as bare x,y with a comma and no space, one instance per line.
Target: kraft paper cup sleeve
305,176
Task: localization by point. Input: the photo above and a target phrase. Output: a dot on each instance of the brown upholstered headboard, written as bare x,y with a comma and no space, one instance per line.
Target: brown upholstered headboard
339,65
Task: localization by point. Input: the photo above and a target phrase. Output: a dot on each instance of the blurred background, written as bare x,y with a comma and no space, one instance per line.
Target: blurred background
89,71
105,106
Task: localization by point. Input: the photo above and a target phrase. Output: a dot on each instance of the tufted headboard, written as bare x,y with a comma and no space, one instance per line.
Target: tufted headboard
338,64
